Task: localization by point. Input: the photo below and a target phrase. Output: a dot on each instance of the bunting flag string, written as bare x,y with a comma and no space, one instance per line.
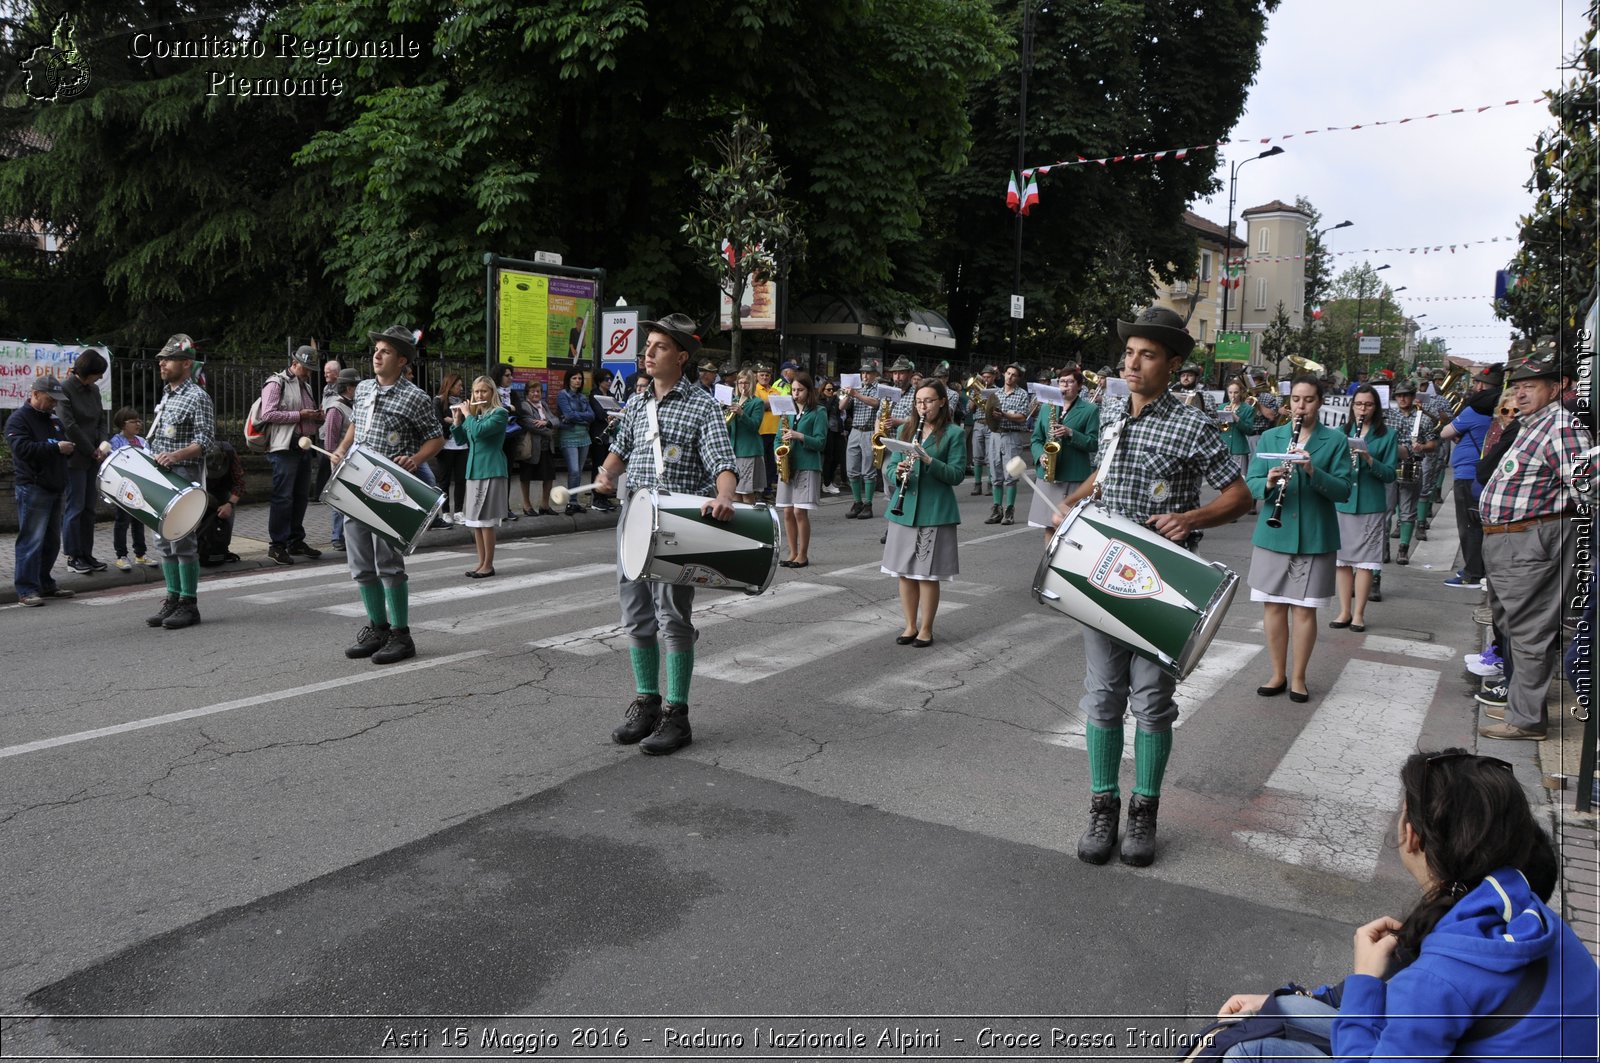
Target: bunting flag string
1183,153
1429,249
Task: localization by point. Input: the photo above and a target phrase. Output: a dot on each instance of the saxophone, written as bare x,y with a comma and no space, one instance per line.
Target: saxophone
879,451
782,453
1052,447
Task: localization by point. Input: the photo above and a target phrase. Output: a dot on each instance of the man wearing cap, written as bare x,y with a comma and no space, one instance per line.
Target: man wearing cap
859,408
1155,452
978,439
1416,438
1189,384
1435,405
395,418
708,376
40,451
1008,413
900,372
1466,435
676,440
183,430
289,409
786,375
330,393
1534,511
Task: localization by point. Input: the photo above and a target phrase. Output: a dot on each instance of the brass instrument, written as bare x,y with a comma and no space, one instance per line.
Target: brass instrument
1275,518
991,412
972,389
1258,381
1306,365
879,451
733,411
1407,473
1052,447
1455,389
1092,378
782,452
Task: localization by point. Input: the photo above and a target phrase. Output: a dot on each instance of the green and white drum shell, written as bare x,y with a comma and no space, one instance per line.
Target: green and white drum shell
1136,586
156,497
664,537
376,493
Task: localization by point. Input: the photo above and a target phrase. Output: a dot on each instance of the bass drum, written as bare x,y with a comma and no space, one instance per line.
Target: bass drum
1136,586
162,501
373,491
664,537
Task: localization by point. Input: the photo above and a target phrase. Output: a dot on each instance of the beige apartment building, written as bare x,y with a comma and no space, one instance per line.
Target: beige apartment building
1198,299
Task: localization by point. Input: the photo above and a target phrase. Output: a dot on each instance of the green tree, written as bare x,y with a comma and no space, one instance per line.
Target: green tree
1558,260
1279,339
1360,304
741,220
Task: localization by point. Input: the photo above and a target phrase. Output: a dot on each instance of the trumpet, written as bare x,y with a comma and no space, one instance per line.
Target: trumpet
1275,518
783,451
733,411
1052,447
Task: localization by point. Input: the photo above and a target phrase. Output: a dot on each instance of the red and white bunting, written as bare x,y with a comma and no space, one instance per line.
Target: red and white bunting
1427,250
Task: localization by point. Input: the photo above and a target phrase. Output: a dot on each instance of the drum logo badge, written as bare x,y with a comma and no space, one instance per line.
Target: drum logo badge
1125,572
701,576
129,495
383,486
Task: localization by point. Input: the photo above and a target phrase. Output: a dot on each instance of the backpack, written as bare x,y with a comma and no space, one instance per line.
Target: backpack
256,440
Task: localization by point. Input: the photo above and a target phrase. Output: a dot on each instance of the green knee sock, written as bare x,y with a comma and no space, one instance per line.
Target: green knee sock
1011,497
398,599
1423,506
1105,757
169,572
855,490
1150,752
994,488
188,578
680,669
372,602
647,667
866,490
1406,528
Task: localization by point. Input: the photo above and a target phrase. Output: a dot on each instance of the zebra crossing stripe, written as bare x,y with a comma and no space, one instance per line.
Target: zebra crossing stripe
484,588
328,573
801,644
342,584
1427,651
1009,648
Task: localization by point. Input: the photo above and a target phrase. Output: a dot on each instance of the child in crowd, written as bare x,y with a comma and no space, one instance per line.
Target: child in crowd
127,422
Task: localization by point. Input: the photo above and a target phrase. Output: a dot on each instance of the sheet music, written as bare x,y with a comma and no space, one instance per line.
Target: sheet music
723,393
849,380
783,405
889,392
1047,393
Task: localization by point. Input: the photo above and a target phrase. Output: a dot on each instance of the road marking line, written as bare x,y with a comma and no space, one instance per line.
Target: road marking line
1004,649
1428,651
598,641
999,535
473,623
1222,661
800,644
1333,796
482,589
286,575
344,584
381,672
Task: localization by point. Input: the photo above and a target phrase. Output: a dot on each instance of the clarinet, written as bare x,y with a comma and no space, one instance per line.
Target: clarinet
1355,456
1275,520
899,509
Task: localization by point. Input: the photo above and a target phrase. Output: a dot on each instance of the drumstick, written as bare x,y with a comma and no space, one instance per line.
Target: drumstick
306,444
1017,469
562,495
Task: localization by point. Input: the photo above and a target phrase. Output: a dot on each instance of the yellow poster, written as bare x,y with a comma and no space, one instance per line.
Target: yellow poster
524,319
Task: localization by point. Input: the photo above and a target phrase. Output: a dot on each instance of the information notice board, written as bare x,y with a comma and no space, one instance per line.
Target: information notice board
21,361
544,319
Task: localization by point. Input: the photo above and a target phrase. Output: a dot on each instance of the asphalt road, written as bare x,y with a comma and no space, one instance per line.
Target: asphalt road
235,820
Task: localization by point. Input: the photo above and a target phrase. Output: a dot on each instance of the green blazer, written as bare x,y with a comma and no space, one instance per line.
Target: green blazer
485,437
806,454
1310,525
1076,460
1369,494
930,496
1235,434
745,429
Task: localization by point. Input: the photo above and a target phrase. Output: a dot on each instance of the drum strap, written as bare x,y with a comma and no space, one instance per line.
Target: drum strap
654,418
1416,428
1109,456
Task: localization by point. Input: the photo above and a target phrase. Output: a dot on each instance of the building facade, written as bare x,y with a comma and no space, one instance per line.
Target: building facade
1198,298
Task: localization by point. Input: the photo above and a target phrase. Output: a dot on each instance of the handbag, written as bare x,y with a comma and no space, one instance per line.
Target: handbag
522,446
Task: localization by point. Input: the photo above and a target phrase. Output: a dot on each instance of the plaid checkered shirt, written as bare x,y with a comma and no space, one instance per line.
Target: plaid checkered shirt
902,406
694,442
1019,401
1161,458
1535,477
183,416
862,414
394,420
1403,423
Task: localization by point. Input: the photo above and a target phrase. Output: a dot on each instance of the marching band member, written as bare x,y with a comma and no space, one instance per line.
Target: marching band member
1155,451
1416,437
481,424
1007,436
807,437
1236,433
689,453
1075,428
180,435
1297,533
395,418
744,431
1364,516
978,438
901,371
921,545
859,407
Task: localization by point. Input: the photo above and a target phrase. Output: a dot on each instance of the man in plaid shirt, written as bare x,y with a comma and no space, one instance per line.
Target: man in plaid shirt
180,435
1163,450
859,407
395,418
695,457
1533,515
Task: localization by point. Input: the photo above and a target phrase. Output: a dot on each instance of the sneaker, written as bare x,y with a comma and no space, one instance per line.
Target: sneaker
95,564
304,549
1508,732
59,592
79,565
279,554
31,600
1492,696
140,559
459,517
124,565
339,546
829,489
1462,583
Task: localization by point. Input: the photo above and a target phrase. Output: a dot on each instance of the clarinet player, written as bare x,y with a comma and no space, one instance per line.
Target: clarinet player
921,545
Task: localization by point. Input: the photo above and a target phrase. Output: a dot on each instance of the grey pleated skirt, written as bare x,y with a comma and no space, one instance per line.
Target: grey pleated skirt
921,553
1361,538
803,491
1041,511
752,473
1292,579
485,505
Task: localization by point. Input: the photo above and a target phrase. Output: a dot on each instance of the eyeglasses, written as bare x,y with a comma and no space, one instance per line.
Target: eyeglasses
935,401
1442,758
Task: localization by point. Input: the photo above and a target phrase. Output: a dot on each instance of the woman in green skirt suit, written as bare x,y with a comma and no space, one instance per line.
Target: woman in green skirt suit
1075,427
1292,566
1364,516
920,547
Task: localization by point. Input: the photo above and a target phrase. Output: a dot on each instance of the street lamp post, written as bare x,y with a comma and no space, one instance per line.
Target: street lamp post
1383,306
1227,236
1361,295
1316,263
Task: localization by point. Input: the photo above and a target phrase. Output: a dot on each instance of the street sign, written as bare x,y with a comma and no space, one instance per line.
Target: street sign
1370,345
1016,307
548,258
1234,346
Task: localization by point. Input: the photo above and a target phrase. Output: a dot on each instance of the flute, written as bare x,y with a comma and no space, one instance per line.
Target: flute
1275,518
899,508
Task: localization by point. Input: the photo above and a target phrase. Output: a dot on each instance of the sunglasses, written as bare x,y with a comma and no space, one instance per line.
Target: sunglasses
1442,758
1508,411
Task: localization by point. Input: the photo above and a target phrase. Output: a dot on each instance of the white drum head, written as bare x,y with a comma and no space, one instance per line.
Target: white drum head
636,538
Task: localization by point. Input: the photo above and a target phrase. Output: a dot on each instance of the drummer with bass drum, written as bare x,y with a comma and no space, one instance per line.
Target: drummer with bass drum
675,440
184,427
394,418
1153,454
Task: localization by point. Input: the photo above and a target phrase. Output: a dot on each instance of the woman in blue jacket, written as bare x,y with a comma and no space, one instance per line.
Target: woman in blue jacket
572,406
1481,968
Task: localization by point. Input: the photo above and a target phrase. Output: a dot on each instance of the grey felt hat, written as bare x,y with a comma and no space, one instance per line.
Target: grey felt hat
1162,325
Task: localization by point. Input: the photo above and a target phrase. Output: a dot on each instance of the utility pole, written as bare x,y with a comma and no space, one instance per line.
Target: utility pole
1026,54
